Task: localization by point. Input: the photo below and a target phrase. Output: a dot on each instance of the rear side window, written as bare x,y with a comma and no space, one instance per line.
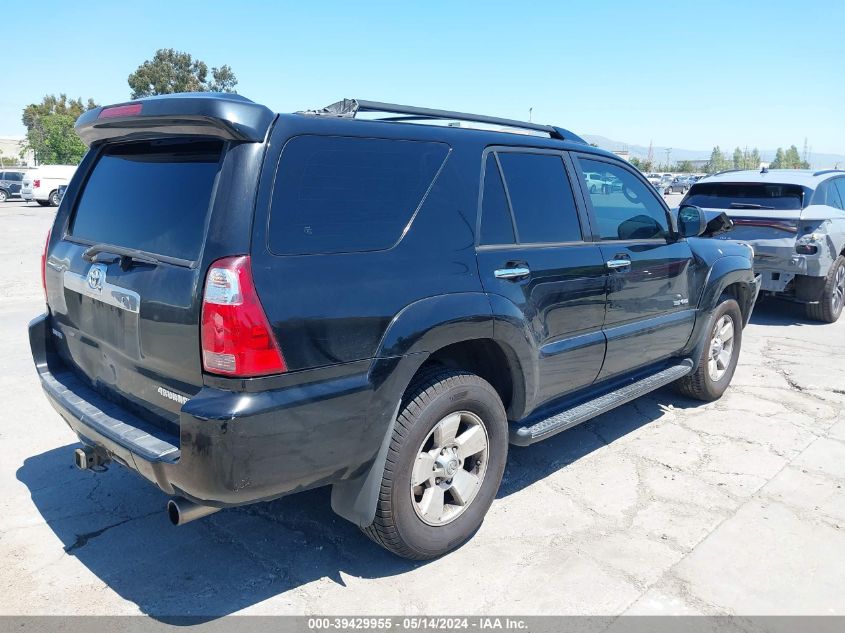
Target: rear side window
14,175
496,223
541,197
152,196
827,193
345,194
839,183
739,195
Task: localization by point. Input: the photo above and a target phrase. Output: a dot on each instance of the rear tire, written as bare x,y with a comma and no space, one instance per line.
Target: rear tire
719,355
433,498
53,200
829,307
3,196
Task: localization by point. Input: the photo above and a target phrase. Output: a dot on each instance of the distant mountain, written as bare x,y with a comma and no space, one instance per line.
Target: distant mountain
817,160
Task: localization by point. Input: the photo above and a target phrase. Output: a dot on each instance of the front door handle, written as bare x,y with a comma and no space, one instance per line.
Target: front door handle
618,263
517,272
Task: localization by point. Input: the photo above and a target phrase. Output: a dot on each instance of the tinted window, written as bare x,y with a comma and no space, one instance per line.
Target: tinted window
827,193
738,195
840,186
150,196
624,206
543,205
14,175
496,224
336,194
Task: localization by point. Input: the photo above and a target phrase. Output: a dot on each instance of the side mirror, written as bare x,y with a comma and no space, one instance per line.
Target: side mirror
692,221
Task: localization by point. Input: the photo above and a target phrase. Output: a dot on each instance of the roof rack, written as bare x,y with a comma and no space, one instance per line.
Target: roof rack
349,108
822,172
727,171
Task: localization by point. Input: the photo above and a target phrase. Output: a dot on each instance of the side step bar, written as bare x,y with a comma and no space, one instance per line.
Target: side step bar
527,435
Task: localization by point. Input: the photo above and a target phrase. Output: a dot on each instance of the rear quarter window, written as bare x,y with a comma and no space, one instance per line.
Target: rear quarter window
151,196
345,194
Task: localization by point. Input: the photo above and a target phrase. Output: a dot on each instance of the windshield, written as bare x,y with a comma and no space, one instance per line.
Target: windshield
735,195
151,196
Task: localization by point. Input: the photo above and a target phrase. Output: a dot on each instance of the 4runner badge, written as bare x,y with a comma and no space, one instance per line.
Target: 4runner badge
96,277
172,395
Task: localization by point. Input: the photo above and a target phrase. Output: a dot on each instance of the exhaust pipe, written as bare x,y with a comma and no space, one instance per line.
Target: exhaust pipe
88,458
181,511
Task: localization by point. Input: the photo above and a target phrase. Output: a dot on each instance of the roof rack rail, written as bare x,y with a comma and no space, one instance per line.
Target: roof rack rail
727,171
822,172
349,108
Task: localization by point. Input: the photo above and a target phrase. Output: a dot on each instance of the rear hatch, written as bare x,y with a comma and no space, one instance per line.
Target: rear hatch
766,215
129,249
125,311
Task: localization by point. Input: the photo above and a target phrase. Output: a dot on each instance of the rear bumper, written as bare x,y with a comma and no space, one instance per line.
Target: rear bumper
233,448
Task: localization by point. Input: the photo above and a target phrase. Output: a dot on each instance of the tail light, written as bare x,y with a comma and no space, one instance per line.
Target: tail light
236,336
36,183
44,264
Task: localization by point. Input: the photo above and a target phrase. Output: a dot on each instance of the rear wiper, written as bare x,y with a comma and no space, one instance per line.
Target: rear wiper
748,205
99,253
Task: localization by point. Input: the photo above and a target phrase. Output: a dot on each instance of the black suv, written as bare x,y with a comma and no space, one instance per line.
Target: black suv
368,296
10,184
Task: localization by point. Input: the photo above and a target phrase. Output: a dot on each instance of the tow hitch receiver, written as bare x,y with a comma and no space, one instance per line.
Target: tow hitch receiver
87,458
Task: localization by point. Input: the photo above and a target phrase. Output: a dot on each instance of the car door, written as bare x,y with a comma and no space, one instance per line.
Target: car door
532,257
649,314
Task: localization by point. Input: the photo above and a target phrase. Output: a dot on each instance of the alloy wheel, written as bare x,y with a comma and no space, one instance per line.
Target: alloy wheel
721,348
450,468
838,295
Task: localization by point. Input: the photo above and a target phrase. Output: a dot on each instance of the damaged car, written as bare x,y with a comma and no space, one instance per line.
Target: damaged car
795,221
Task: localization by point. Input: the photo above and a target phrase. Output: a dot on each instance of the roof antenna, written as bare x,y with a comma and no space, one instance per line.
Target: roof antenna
765,170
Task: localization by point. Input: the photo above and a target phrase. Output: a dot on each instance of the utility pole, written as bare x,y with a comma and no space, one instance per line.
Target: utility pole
530,112
668,153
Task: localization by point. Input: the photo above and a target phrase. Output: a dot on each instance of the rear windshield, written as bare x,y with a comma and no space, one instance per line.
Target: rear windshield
151,196
731,195
343,194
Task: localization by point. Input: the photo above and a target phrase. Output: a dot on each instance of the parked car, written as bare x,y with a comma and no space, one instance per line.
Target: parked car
61,193
376,305
42,184
681,184
10,184
596,184
654,179
795,221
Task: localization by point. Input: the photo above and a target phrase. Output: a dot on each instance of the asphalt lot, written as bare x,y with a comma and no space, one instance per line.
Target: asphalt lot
662,506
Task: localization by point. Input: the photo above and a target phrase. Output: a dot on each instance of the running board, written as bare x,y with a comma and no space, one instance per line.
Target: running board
526,435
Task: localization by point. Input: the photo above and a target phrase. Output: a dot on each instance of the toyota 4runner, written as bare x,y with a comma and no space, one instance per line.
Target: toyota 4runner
242,305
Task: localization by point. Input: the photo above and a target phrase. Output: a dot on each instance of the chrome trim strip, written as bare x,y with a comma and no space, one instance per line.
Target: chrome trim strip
110,294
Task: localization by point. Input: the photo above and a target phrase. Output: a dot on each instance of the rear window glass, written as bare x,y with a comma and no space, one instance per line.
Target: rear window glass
150,196
730,195
343,194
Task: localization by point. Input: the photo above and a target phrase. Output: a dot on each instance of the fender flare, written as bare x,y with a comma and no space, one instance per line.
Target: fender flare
418,331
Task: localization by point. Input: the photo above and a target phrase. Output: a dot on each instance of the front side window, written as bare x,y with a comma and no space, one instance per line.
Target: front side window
839,183
625,208
337,194
541,197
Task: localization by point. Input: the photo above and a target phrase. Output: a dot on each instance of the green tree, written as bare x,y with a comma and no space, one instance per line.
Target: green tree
49,129
685,167
779,161
754,160
172,71
717,161
792,159
738,159
636,162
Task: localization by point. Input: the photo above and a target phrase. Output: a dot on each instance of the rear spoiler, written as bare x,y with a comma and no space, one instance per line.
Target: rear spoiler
221,115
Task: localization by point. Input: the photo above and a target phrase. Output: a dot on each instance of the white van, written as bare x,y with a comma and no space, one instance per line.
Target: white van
42,184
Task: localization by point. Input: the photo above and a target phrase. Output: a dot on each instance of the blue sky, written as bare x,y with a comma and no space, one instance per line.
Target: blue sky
684,74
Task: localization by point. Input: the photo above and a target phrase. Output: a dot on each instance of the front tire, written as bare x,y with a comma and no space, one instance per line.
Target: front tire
719,356
829,307
53,200
444,465
43,203
3,196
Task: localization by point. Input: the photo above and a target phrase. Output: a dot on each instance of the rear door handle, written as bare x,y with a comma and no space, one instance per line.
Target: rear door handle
517,272
618,263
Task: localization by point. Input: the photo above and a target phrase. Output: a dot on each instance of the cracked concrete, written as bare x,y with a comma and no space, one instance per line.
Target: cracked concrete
662,506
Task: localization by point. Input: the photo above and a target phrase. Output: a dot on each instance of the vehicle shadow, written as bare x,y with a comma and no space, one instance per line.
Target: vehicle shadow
772,311
115,524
